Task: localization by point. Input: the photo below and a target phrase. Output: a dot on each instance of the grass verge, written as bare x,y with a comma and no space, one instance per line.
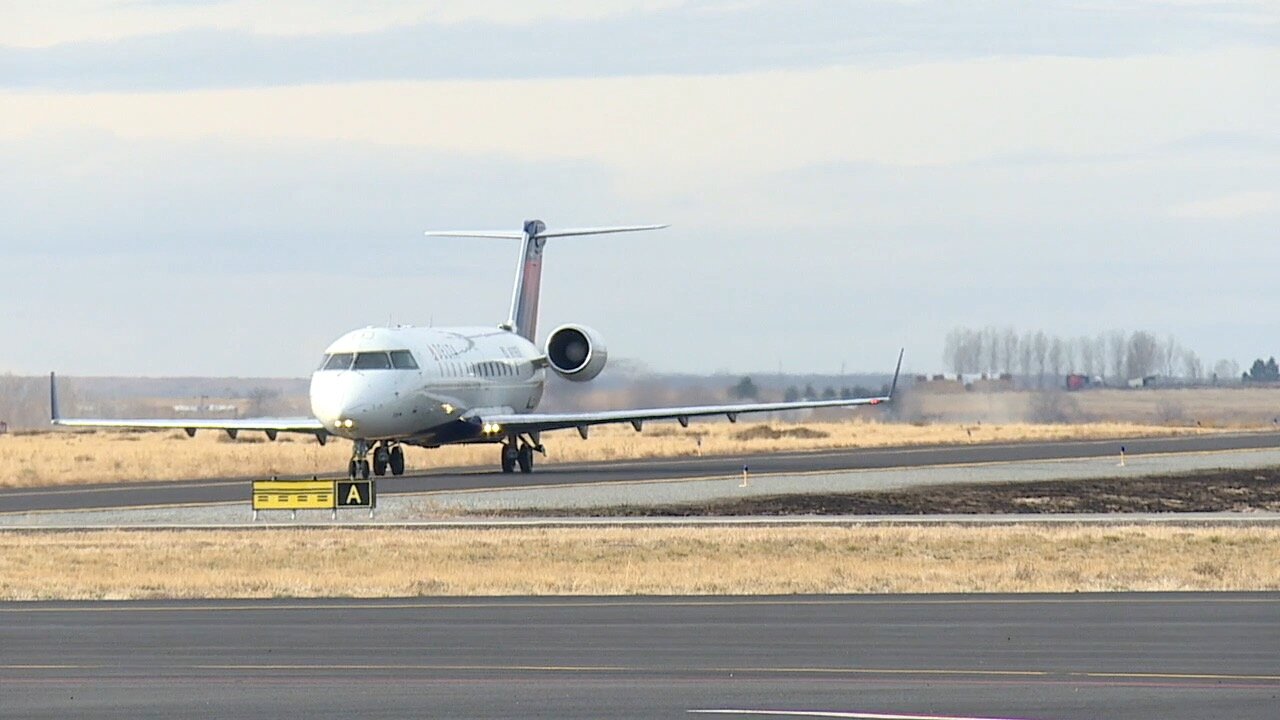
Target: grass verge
625,561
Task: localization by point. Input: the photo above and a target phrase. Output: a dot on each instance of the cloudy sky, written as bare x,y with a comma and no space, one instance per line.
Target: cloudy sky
223,187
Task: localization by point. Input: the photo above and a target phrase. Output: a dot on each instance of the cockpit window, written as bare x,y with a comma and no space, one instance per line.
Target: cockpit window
339,361
372,361
403,360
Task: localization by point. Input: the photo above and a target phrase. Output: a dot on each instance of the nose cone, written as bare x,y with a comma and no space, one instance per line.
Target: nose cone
340,400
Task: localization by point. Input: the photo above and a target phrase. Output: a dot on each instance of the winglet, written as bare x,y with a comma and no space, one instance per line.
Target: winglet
896,370
54,415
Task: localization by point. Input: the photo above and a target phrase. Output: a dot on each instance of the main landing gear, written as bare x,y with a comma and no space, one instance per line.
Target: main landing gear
518,451
386,456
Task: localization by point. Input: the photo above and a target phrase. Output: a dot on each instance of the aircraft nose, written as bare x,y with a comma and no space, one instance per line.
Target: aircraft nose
339,401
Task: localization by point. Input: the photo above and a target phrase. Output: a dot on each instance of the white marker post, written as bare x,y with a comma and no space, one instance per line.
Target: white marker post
1121,456
744,477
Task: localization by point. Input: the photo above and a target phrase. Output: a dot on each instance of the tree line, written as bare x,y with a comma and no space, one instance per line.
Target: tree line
1115,356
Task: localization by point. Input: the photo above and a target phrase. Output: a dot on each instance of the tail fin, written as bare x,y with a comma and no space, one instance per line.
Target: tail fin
523,319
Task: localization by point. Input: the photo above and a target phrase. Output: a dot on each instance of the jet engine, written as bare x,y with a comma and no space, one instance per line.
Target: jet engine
576,352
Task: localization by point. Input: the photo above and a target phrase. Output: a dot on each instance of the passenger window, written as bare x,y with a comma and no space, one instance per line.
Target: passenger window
403,360
372,361
339,361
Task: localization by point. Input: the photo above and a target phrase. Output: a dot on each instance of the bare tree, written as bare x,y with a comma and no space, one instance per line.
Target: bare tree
1117,343
1057,355
1085,347
1226,371
1010,344
1026,353
1192,368
1144,354
952,351
1040,347
1171,352
991,344
1100,354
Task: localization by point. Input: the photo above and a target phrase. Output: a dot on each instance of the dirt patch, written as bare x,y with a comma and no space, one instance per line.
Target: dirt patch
1215,491
769,432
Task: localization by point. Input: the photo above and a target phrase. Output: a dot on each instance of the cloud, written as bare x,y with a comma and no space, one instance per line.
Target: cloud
1230,207
670,134
580,39
70,21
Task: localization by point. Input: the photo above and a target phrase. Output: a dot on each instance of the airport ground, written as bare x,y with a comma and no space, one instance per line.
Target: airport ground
535,618
80,458
1045,657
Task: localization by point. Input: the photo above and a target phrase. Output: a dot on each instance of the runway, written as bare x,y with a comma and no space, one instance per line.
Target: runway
1054,657
20,500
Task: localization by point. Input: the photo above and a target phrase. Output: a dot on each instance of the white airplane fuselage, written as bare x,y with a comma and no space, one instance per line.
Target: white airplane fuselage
458,369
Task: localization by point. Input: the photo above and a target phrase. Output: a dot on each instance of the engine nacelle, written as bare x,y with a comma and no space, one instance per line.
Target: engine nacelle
576,352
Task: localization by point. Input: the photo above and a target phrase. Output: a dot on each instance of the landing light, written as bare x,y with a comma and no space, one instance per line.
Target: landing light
492,428
348,423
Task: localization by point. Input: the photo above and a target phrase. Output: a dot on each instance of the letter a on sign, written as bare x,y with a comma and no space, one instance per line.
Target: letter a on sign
353,496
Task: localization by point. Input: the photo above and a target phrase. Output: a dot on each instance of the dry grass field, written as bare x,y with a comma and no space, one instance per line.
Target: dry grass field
625,561
64,458
1235,406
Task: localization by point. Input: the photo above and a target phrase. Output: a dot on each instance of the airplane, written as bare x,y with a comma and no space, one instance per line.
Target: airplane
386,387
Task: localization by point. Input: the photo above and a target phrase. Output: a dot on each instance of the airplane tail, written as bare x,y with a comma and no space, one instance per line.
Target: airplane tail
523,319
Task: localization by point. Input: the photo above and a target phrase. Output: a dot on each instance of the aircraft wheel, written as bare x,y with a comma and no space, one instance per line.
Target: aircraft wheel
351,469
509,457
525,458
381,458
364,469
397,460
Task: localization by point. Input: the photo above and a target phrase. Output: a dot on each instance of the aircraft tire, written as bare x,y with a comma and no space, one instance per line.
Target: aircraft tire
397,460
509,454
525,458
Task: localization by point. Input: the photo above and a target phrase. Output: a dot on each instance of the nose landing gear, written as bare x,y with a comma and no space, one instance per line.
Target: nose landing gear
358,468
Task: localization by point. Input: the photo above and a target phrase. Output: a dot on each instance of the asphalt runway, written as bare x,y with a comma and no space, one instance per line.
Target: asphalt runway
189,492
1045,657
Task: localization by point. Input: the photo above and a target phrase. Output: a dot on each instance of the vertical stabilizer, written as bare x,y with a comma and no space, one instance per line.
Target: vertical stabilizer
523,319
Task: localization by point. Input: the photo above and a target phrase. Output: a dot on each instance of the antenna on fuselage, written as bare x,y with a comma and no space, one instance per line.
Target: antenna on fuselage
523,317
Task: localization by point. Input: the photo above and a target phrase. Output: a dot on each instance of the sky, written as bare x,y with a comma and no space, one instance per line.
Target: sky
224,187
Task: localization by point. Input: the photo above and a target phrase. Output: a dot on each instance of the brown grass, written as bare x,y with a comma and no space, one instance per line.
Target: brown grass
623,561
1238,406
66,458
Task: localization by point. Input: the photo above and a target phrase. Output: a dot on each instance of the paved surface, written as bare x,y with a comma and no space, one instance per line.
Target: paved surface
1133,656
833,463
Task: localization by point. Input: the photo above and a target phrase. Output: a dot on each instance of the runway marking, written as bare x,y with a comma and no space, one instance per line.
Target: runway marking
885,671
264,605
835,714
375,666
927,675
1179,676
162,484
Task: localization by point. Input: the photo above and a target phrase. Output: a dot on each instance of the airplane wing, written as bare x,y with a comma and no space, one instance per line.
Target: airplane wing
539,422
232,426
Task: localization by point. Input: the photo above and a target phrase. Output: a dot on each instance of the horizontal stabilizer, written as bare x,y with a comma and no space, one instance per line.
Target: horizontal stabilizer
566,232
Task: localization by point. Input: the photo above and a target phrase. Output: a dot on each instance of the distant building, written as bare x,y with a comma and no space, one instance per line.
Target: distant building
968,382
4,427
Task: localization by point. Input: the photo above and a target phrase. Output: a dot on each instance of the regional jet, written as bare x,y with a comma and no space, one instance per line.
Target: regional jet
386,387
